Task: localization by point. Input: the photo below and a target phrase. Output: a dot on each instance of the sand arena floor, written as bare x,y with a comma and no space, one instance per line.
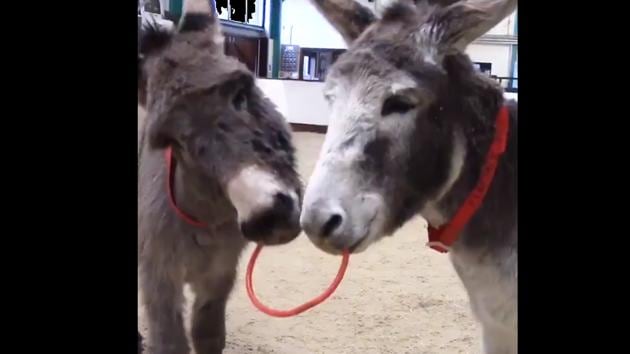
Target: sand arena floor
397,297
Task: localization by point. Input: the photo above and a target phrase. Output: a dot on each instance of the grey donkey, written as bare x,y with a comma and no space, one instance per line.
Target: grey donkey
411,124
233,173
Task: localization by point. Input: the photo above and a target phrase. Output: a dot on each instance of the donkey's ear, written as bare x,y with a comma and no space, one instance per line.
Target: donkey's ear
457,25
201,16
347,16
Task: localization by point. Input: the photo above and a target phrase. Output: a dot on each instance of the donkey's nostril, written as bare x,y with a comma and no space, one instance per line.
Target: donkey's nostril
333,223
283,202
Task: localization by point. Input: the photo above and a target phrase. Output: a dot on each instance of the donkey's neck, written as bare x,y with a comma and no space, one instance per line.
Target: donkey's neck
496,218
201,199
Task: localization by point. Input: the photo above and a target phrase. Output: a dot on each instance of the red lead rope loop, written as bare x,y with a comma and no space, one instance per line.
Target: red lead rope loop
298,310
170,177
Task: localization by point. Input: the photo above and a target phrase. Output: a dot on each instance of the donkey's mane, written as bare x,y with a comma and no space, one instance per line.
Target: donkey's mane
475,99
153,38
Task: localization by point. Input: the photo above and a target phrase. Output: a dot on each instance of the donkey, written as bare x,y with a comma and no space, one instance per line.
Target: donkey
216,168
411,124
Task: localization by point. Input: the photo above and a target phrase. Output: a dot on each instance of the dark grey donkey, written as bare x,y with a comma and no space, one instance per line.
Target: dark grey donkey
412,122
233,171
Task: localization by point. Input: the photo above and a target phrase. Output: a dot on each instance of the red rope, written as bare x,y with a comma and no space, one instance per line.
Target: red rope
297,310
168,156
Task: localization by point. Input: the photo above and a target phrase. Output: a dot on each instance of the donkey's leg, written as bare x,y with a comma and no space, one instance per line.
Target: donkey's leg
498,322
163,300
208,318
492,293
499,341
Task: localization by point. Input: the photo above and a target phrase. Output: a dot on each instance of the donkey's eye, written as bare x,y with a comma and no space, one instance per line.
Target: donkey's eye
239,100
397,104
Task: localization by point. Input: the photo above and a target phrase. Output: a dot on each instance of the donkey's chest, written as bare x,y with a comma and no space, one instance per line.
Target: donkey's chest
491,284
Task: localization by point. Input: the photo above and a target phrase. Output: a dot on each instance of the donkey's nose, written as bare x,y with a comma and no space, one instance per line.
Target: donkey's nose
331,225
323,219
275,224
284,203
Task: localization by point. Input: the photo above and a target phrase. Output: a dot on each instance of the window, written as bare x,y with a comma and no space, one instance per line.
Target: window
514,60
514,73
152,6
250,12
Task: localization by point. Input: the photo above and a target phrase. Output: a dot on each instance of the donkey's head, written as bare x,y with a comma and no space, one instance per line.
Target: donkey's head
404,101
232,144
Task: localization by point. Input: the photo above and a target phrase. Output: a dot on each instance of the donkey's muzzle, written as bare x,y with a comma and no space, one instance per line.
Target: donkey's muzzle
276,224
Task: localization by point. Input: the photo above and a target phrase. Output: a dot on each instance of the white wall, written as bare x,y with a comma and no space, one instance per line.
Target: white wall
304,26
511,95
498,55
505,27
299,101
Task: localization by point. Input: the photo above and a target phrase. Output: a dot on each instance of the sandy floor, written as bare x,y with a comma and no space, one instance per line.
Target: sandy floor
397,297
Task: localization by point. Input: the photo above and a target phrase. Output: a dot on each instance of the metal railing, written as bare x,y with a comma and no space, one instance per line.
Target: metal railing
509,84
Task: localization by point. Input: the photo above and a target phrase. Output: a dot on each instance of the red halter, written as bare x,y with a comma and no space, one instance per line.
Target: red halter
170,177
442,238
